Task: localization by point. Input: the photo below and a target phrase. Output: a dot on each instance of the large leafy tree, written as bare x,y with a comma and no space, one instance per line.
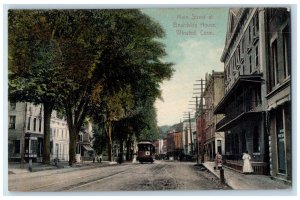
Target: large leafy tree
97,54
133,54
35,65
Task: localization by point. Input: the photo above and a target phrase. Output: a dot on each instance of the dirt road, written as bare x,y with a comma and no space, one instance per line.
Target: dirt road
125,177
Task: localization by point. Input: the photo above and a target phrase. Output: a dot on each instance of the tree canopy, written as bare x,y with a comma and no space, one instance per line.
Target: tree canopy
89,62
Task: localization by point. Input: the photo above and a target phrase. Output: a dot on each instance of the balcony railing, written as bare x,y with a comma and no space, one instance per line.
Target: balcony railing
239,110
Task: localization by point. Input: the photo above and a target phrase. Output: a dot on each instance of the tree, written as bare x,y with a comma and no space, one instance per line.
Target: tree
34,66
131,60
98,55
99,138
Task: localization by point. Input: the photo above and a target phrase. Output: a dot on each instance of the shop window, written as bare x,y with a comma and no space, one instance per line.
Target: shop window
256,147
17,146
280,142
243,138
219,146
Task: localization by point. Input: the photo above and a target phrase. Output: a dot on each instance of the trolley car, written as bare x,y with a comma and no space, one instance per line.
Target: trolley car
146,152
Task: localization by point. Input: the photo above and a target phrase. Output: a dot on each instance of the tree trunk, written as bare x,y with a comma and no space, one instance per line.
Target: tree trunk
109,150
128,149
72,145
47,118
109,139
121,146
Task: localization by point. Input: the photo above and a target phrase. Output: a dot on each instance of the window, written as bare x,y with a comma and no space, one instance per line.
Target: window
13,106
219,146
40,125
256,56
243,141
253,29
286,52
256,23
12,122
256,147
34,124
51,147
17,146
238,55
249,34
274,63
280,132
250,64
28,123
242,45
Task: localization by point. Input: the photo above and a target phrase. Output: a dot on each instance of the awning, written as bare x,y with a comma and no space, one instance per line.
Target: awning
88,147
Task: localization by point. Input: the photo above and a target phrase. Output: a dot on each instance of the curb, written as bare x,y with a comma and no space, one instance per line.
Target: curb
218,176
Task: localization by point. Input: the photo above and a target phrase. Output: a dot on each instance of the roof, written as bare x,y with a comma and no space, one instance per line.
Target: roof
88,147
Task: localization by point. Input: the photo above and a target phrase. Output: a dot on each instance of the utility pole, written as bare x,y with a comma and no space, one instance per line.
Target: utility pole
201,114
190,127
191,134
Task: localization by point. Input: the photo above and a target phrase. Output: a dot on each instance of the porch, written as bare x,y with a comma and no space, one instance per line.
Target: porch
258,167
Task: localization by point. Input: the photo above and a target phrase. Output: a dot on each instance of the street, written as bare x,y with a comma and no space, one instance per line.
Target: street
161,175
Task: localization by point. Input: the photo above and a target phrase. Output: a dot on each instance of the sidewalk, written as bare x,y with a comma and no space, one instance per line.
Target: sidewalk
18,168
239,181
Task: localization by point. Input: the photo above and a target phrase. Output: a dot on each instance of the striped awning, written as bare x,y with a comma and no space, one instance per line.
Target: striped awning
88,147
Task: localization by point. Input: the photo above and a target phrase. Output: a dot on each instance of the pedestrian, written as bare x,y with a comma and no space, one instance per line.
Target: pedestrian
218,161
247,167
100,158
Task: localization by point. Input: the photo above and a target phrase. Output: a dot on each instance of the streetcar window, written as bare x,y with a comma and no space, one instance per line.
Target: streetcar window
144,147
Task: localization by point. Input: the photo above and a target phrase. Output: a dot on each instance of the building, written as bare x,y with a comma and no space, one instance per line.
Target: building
213,93
278,91
161,146
243,101
188,128
26,133
170,143
256,103
84,150
59,138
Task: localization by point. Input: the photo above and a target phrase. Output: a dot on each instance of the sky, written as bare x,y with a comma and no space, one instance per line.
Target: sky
194,53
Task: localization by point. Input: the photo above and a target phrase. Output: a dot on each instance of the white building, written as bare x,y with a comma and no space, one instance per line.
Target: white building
59,138
188,136
26,133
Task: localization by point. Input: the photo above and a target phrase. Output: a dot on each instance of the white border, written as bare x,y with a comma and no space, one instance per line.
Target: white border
138,4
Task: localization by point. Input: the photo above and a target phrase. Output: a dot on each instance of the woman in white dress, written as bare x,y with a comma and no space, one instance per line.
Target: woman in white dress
247,167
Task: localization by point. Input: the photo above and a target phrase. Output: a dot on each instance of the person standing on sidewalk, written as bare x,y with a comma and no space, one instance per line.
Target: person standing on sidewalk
247,167
100,158
218,161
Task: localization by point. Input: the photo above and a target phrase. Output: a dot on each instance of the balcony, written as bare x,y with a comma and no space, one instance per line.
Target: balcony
236,117
241,102
242,84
